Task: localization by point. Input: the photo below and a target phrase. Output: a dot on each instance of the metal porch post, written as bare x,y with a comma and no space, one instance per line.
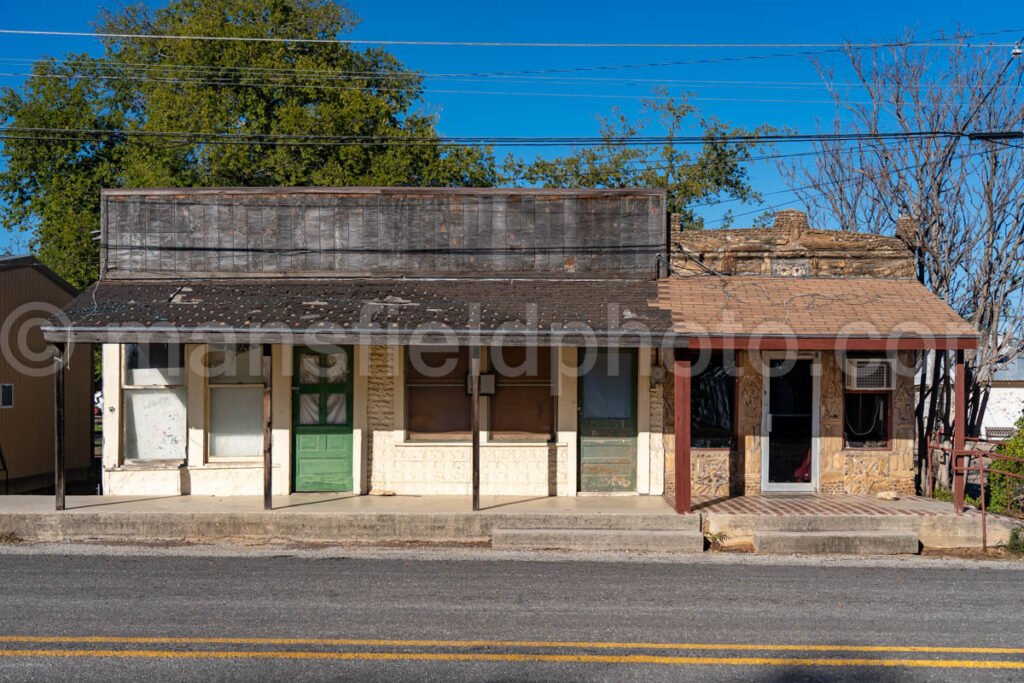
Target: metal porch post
268,483
474,419
59,481
959,430
681,372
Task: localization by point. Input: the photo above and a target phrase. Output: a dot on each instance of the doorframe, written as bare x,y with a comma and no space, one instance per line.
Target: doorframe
812,486
356,417
635,358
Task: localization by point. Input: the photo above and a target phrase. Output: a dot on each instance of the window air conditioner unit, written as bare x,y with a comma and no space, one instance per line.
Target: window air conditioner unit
866,374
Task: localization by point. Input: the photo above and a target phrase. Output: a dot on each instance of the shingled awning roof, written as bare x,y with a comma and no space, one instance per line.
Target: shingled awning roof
778,312
551,311
706,311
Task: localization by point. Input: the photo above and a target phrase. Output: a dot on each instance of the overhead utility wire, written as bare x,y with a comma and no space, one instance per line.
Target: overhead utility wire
250,138
822,187
458,43
225,75
443,91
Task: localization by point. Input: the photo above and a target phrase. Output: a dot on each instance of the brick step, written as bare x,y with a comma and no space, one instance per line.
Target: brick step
660,540
836,542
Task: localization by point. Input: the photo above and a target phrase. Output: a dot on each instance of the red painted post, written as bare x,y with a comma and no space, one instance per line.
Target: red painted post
681,371
959,431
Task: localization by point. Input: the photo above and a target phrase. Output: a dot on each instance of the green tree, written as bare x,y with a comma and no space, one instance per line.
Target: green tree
1006,491
138,91
717,170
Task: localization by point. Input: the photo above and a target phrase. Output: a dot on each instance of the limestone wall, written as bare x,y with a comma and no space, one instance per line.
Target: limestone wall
863,470
841,471
790,248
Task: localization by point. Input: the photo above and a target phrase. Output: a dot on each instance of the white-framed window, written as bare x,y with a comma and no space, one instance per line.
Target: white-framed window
6,395
154,400
234,401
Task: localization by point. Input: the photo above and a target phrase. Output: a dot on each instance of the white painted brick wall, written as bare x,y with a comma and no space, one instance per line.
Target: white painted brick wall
446,469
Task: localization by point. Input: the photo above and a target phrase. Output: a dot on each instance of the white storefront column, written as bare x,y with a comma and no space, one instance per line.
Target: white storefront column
281,417
643,422
567,418
360,371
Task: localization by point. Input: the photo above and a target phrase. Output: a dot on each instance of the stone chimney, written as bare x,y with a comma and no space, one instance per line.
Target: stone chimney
674,223
793,221
907,230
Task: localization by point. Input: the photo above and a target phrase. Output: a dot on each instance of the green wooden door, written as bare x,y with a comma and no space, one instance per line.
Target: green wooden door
607,423
322,420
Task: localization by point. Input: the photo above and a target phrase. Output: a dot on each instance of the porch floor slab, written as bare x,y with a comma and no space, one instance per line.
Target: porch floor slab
347,503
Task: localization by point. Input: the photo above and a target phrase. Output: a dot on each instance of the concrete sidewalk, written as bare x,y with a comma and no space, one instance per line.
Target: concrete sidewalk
622,522
326,518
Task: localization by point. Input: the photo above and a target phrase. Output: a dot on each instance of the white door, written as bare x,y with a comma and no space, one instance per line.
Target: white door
789,449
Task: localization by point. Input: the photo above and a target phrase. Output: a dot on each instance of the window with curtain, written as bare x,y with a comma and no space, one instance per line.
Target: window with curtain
713,403
866,419
523,405
154,400
867,401
436,403
235,400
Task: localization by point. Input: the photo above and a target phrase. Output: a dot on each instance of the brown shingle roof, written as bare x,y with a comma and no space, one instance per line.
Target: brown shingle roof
807,307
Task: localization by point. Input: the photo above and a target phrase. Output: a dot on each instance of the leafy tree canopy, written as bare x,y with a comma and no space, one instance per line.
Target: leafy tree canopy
715,171
150,108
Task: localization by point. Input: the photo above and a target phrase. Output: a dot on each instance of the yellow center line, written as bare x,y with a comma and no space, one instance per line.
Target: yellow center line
378,642
512,657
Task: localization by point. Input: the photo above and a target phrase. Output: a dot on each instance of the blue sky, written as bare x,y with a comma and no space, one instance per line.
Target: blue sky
570,104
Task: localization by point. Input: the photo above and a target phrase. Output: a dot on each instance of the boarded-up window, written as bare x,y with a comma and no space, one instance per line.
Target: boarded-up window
154,424
436,403
154,402
713,403
236,401
523,405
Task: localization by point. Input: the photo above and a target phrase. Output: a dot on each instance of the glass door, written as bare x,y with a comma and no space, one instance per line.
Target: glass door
608,423
790,429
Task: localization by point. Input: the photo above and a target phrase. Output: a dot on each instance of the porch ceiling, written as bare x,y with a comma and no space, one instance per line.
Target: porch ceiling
776,313
550,311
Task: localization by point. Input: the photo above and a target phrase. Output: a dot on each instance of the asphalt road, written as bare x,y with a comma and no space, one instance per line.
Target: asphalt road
175,618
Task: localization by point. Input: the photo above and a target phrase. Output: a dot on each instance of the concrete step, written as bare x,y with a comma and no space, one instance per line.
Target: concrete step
745,525
836,542
659,540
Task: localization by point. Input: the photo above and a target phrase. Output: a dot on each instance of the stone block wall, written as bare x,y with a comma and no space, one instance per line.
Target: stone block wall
861,470
719,473
790,248
713,471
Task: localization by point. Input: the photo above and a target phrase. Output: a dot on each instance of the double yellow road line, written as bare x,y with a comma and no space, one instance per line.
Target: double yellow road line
398,650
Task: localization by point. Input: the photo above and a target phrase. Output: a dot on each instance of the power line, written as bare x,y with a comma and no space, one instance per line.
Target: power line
523,44
290,138
382,89
821,187
223,75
